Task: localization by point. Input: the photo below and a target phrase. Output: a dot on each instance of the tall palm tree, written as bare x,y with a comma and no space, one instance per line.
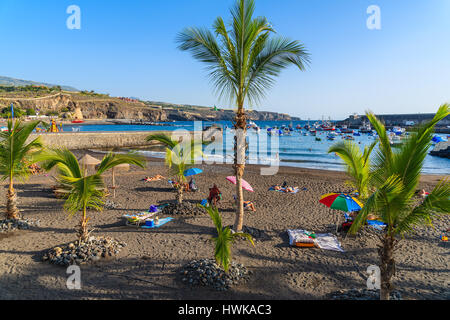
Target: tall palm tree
16,153
180,156
395,176
84,191
243,62
357,163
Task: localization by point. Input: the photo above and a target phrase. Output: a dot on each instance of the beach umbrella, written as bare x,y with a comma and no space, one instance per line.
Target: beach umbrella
341,201
192,172
88,161
245,184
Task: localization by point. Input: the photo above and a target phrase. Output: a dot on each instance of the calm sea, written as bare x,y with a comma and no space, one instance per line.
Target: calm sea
294,150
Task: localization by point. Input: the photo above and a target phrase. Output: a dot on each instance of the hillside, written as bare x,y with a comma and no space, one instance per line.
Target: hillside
99,106
7,81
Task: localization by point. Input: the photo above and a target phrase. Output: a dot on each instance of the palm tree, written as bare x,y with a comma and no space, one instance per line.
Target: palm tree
84,191
395,177
357,163
180,156
243,63
16,153
225,237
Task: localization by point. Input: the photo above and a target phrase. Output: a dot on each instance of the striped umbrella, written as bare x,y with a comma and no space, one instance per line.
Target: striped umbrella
341,201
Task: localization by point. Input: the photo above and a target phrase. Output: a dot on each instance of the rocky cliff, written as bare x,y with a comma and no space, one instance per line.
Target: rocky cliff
114,108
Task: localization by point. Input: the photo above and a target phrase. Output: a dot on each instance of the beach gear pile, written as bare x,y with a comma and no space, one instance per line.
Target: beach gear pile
307,239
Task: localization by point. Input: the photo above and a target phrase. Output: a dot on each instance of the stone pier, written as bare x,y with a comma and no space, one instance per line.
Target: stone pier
100,140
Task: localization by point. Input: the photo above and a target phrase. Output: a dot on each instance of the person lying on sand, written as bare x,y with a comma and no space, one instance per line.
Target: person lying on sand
291,189
423,193
155,178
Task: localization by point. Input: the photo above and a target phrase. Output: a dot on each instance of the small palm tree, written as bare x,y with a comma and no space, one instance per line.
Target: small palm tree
357,163
395,177
16,153
84,191
243,63
179,157
225,237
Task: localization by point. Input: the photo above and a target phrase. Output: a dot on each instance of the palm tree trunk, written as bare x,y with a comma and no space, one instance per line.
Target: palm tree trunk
83,231
239,166
387,268
11,203
180,195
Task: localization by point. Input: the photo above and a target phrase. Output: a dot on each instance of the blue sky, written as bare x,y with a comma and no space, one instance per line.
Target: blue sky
127,48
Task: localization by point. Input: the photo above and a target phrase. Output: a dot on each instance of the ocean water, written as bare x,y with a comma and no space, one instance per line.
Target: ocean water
294,150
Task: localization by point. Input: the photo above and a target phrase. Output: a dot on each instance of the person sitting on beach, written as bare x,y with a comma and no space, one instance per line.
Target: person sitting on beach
248,205
192,186
214,195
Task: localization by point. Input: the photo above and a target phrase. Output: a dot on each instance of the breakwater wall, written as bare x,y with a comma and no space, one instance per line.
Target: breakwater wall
391,120
102,140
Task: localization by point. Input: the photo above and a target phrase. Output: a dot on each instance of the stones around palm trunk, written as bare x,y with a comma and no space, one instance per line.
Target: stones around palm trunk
185,208
207,273
361,294
8,225
94,249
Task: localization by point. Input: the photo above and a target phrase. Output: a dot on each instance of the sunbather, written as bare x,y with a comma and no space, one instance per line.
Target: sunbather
291,189
155,178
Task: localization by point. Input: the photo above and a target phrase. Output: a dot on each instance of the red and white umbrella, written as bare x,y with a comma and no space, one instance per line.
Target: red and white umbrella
245,184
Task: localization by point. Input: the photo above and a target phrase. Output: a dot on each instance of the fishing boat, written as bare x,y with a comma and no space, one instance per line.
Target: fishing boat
365,128
346,130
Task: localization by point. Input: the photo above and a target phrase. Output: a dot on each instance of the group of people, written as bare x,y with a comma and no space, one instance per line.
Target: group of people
285,188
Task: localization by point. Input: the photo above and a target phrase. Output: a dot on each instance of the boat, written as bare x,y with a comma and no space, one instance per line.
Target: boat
365,128
254,126
318,139
346,130
3,129
77,121
348,138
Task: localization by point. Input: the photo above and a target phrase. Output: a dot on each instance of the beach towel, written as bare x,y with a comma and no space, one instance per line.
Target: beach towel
325,241
160,224
379,225
283,190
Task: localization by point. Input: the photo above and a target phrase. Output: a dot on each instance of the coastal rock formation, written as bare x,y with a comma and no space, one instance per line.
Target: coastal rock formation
104,107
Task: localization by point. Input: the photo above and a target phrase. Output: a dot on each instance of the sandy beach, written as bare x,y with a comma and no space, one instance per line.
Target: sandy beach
147,267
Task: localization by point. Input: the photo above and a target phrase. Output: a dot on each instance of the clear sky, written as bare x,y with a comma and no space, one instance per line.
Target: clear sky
127,48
